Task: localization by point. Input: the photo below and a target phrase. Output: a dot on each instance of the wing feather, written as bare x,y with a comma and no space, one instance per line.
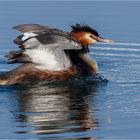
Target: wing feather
39,45
18,57
31,27
34,40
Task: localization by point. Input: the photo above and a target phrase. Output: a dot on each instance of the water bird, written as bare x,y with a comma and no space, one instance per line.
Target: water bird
51,54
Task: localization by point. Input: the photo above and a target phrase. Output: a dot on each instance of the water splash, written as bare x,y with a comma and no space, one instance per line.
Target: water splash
99,78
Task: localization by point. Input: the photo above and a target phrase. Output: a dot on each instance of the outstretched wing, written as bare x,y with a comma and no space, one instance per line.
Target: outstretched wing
47,38
18,56
31,27
39,39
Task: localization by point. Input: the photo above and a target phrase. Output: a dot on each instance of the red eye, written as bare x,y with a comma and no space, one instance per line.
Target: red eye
91,36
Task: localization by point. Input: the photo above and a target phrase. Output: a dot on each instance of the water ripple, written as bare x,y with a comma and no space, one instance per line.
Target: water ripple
116,49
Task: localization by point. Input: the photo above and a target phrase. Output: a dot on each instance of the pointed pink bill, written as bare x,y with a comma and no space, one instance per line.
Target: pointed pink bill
104,40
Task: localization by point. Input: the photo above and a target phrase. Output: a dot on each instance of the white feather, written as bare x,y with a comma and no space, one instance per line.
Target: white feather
47,59
31,43
50,56
27,35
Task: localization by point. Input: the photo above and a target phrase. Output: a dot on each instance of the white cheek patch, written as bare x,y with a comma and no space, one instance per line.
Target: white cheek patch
27,35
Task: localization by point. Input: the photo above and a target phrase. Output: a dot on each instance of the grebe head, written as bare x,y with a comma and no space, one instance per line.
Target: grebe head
86,35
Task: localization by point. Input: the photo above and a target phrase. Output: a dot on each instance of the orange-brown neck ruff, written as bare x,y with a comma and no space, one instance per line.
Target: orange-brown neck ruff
81,36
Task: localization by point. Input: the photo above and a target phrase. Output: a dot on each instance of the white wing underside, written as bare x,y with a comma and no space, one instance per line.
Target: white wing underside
48,56
46,59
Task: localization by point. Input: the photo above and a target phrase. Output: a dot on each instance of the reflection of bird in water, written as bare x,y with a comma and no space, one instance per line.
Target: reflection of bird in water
57,109
51,54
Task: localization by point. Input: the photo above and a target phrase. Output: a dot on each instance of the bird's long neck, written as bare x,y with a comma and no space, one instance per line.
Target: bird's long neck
90,63
84,63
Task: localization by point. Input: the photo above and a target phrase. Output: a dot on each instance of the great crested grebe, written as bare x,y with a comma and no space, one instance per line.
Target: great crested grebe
51,54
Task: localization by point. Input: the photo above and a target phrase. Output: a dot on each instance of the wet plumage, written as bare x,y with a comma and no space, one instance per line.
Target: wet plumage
51,54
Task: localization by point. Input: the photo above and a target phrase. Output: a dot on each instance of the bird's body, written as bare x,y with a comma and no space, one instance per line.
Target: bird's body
50,54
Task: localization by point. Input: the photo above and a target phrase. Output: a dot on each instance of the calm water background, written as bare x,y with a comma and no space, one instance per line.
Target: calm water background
81,110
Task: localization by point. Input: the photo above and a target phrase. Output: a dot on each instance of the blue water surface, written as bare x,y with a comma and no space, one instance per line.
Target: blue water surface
79,110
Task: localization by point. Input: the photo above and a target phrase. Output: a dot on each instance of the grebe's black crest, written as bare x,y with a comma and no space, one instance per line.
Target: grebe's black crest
83,28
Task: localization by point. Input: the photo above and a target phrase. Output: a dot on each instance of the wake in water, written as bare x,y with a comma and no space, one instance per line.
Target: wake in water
122,44
99,78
